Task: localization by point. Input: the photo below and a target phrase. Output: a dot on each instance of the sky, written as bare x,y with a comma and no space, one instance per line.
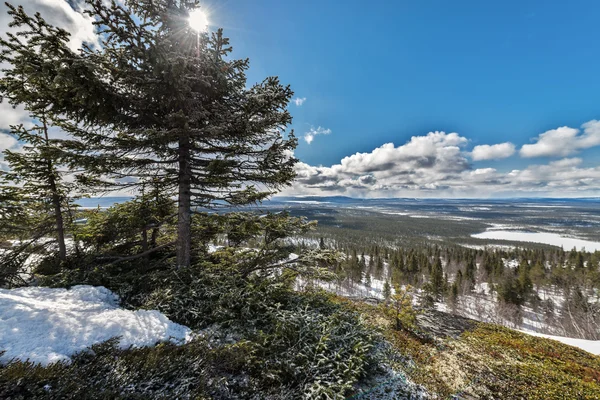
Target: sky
420,98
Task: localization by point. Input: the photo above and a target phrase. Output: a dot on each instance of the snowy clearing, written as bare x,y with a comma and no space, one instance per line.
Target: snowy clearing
591,346
47,325
539,237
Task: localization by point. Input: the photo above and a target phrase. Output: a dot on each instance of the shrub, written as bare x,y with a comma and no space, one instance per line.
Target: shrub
265,339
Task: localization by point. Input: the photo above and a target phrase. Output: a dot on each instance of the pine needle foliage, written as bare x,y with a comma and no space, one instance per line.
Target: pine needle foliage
158,98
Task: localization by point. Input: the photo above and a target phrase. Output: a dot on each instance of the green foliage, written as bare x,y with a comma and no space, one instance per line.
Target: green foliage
133,224
454,293
300,345
437,279
199,129
524,366
107,372
35,178
387,290
400,308
311,348
326,347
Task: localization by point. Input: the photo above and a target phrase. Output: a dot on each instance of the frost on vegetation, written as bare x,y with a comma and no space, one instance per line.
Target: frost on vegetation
392,385
47,325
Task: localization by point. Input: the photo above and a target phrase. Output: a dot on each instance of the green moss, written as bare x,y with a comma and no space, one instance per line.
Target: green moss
520,365
492,362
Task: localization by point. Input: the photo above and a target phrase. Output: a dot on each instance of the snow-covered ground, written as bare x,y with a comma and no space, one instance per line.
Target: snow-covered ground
46,325
539,237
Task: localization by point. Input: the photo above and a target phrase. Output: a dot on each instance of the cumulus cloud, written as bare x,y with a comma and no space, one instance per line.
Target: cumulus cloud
10,115
437,164
492,152
7,141
424,162
310,135
563,141
299,101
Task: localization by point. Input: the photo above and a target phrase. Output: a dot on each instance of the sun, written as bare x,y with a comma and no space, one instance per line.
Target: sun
198,20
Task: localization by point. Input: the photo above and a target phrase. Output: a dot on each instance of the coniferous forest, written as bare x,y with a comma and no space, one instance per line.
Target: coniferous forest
277,307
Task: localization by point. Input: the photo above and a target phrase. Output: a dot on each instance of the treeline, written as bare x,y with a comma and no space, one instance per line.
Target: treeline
561,286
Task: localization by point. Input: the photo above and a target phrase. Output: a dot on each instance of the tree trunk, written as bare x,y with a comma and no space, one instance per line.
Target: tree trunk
184,208
155,229
144,239
60,229
153,237
56,202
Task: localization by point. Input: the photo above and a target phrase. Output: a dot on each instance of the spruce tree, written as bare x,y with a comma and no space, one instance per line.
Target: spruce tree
158,98
37,170
437,279
34,174
387,290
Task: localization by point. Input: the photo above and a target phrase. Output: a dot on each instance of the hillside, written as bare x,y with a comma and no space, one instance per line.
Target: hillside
441,356
454,357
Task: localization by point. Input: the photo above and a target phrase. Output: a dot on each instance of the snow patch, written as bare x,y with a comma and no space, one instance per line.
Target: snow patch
539,237
47,325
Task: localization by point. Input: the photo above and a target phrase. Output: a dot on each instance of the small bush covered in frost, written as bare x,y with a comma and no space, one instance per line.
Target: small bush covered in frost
303,343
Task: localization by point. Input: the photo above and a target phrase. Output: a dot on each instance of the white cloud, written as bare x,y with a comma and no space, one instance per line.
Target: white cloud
493,152
423,162
563,141
299,101
7,142
310,135
10,115
58,13
436,165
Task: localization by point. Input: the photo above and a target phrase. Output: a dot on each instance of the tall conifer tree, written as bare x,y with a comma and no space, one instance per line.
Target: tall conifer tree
158,98
35,179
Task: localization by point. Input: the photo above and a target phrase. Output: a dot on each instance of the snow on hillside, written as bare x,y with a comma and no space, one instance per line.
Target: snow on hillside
46,325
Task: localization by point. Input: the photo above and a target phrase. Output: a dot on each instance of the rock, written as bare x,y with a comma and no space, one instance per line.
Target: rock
441,325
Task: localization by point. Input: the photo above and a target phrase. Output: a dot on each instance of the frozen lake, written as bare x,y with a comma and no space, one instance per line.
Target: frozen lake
539,237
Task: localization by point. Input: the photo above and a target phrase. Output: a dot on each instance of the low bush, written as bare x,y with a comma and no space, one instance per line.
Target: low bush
262,338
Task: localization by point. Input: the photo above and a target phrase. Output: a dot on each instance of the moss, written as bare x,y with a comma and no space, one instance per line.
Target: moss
520,365
491,362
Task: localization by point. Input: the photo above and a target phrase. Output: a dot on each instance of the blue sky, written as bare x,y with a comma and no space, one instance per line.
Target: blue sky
384,71
380,72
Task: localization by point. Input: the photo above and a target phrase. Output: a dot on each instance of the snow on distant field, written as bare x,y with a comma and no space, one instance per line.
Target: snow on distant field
394,213
309,202
591,346
510,263
46,325
539,237
471,209
487,246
